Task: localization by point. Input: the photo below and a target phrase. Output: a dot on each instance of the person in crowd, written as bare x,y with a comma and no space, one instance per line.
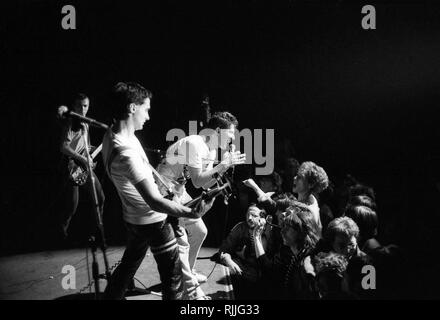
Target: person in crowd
309,181
366,220
330,269
361,189
238,254
290,271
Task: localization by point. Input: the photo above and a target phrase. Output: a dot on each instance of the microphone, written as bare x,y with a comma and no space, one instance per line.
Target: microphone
64,112
269,220
158,151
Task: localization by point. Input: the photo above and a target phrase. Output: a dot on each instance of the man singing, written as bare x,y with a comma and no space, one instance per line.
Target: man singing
192,158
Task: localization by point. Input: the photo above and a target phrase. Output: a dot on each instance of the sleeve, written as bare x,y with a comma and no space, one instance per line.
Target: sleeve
66,135
269,205
232,241
133,167
269,264
193,154
275,263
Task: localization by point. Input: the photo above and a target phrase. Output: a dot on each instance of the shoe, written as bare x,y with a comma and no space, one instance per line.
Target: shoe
200,277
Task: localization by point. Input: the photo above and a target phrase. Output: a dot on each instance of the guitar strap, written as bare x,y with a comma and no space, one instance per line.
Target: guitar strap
117,150
179,232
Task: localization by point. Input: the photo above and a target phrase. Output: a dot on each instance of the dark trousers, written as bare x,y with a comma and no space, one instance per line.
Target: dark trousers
71,199
160,237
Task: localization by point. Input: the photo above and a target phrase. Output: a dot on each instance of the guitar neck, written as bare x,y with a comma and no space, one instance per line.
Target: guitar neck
95,153
208,195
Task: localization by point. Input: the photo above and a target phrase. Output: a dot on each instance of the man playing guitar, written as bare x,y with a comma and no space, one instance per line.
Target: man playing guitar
192,158
72,147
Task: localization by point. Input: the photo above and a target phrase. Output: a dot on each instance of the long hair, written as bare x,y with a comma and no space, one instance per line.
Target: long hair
301,219
315,176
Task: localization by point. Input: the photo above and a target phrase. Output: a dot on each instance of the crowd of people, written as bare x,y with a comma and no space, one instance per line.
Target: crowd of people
292,245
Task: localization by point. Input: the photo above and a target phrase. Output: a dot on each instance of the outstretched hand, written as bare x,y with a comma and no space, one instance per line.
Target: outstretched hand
250,183
234,158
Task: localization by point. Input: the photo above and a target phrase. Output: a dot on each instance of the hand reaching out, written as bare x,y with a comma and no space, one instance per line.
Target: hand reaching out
253,185
233,158
250,183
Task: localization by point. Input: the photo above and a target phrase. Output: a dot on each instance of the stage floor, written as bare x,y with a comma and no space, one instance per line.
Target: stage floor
39,276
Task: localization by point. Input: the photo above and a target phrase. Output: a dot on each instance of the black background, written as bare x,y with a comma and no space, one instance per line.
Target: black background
352,100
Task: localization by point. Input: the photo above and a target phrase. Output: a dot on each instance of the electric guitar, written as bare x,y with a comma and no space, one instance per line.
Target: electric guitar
77,175
173,190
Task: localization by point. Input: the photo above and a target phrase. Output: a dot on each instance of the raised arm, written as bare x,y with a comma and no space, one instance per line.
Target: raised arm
268,204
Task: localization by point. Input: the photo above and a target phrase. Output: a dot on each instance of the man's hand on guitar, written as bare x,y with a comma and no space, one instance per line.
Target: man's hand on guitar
84,163
202,207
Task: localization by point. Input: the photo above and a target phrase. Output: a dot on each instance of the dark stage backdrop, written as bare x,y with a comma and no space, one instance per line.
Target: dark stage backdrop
352,100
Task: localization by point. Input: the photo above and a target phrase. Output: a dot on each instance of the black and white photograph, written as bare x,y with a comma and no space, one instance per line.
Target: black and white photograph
233,151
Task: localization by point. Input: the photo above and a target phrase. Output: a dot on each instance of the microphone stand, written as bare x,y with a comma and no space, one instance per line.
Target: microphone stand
93,240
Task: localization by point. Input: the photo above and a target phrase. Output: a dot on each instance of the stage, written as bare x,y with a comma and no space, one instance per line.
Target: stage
40,276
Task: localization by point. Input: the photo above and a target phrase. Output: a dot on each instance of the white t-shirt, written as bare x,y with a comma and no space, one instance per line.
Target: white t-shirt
190,151
129,167
314,208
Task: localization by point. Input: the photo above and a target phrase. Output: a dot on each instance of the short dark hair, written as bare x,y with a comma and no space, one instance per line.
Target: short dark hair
343,226
361,189
365,218
222,120
362,200
79,96
125,93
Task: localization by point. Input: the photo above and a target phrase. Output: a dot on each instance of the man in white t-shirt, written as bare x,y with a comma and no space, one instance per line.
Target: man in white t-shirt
144,208
192,158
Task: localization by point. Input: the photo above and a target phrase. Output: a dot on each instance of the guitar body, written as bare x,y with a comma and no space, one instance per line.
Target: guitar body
77,175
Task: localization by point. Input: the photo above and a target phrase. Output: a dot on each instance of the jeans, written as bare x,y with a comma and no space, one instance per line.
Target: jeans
160,237
71,200
191,287
197,232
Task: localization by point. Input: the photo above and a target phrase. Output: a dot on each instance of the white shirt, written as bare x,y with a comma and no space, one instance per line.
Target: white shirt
314,208
129,167
190,151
